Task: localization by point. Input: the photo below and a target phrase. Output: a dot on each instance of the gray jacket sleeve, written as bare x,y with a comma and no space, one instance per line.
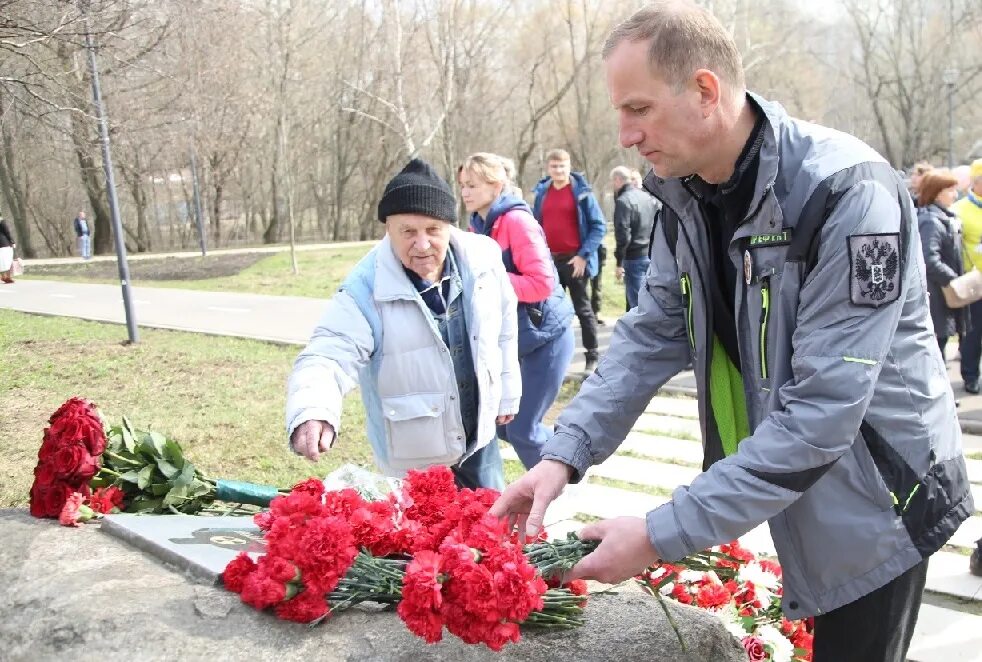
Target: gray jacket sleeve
838,348
648,347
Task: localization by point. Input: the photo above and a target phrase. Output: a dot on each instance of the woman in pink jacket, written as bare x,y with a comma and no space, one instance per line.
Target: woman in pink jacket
545,334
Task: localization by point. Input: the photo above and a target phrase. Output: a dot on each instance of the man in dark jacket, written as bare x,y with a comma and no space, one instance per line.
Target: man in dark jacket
786,264
634,216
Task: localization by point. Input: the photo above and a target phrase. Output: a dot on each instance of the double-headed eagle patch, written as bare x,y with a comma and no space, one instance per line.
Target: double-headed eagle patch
874,274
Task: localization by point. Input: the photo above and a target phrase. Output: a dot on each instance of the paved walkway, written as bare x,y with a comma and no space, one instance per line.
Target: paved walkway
658,455
277,248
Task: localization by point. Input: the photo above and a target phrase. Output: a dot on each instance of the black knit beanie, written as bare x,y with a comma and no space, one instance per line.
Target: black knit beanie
417,189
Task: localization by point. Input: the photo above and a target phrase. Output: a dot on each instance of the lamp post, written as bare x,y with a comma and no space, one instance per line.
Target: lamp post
950,77
107,165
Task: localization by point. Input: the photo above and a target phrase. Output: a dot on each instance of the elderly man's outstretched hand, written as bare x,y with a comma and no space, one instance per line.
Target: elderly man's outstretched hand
311,438
624,551
524,502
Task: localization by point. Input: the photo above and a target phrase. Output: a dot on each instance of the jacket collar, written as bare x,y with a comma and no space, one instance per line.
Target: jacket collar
674,191
391,281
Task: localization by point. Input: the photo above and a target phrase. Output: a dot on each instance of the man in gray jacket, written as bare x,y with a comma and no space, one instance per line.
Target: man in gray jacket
786,264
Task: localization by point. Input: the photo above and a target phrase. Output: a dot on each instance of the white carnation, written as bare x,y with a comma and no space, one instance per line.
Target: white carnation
783,650
756,575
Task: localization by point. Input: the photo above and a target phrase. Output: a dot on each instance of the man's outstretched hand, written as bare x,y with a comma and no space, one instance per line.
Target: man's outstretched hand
311,438
624,551
524,502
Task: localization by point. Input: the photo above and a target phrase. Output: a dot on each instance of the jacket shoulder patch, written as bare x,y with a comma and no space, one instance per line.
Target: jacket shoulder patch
874,268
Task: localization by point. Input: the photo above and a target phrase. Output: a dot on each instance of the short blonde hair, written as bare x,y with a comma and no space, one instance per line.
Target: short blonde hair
683,37
557,155
489,167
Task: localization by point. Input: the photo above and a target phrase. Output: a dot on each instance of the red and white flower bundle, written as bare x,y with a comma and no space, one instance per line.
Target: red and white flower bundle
745,592
430,548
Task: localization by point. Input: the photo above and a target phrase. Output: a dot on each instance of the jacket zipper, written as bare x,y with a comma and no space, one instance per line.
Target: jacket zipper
765,313
686,284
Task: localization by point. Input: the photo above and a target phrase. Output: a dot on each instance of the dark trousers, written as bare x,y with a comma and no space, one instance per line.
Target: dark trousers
875,628
942,341
580,296
971,344
596,285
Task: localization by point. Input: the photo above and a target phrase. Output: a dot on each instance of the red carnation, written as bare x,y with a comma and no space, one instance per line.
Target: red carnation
306,607
422,597
107,499
261,591
236,572
74,511
311,486
325,550
681,594
712,596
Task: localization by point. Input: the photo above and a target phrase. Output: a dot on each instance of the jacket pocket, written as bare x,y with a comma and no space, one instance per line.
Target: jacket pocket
416,429
685,283
765,314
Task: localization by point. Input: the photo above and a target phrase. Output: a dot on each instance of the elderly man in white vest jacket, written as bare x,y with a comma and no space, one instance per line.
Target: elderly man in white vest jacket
426,325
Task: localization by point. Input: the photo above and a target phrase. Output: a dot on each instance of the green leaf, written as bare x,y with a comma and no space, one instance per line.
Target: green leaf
176,496
159,489
198,489
186,476
143,479
173,453
131,477
142,504
159,441
127,433
166,468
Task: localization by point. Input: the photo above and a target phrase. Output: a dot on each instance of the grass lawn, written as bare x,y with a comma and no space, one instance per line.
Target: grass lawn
320,274
222,399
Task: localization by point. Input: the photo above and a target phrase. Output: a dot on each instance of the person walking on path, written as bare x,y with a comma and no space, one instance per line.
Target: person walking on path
634,216
941,244
425,324
786,263
7,246
574,226
83,235
968,210
545,332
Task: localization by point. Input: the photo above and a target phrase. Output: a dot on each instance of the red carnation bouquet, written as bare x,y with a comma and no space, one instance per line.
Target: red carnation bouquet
84,471
430,548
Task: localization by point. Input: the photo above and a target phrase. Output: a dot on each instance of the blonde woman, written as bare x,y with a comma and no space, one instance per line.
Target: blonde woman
545,335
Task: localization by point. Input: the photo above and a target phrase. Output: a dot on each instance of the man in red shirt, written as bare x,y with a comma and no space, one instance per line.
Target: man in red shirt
574,227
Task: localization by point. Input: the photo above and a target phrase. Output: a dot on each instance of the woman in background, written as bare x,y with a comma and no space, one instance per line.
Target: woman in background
942,246
545,334
7,246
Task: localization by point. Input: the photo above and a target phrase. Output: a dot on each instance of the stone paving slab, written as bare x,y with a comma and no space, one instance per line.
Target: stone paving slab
609,502
967,533
667,406
670,426
946,635
664,448
974,473
948,573
646,472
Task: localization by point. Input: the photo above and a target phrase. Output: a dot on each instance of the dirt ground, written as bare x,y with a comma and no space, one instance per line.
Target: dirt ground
168,268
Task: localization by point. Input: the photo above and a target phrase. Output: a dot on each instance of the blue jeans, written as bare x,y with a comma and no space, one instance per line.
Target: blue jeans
482,469
634,271
543,371
971,344
85,246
